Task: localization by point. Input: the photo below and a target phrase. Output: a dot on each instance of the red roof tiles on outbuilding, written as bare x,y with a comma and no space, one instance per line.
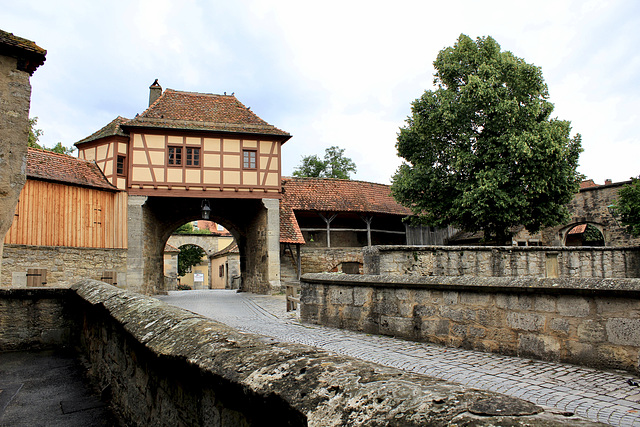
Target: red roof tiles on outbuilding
331,195
50,166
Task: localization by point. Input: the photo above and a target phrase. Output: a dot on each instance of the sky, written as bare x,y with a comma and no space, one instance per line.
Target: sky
340,73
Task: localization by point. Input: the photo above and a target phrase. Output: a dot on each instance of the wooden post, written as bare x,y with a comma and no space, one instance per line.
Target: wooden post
328,222
298,260
367,220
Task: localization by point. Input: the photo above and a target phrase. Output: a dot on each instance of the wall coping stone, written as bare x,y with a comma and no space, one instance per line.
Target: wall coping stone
330,390
623,286
432,248
34,293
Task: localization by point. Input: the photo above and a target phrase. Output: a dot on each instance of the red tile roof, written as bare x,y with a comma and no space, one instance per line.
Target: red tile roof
203,111
230,249
50,166
114,128
587,183
331,195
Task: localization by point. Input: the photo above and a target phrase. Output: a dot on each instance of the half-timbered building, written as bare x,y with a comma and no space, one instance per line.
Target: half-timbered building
187,156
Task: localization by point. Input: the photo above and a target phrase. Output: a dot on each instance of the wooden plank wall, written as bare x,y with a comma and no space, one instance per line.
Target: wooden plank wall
51,214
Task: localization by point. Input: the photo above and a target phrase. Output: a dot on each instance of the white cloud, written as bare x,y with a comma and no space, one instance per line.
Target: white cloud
331,73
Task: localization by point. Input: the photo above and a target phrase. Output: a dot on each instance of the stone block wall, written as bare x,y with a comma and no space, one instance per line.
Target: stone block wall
500,261
589,322
63,264
166,366
320,260
33,319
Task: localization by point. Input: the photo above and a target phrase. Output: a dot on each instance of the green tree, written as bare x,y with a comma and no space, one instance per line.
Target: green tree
628,206
34,137
334,165
189,256
187,228
34,133
481,150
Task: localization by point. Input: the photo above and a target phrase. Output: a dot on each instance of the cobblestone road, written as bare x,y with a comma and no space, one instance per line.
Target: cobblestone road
596,395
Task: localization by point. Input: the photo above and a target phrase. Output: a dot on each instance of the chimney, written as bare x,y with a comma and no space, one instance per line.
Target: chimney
608,181
155,90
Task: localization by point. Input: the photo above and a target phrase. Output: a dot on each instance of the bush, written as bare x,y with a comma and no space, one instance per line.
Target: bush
184,287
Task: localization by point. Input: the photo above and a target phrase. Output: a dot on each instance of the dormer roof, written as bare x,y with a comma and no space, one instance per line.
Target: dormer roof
114,128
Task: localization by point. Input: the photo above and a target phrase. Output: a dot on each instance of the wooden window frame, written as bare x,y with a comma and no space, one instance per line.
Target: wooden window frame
247,163
120,172
177,156
193,159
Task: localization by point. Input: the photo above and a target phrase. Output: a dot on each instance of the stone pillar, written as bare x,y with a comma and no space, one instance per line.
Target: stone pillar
19,58
136,243
273,242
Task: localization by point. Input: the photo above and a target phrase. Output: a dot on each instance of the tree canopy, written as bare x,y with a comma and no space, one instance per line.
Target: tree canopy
628,206
189,256
334,165
187,228
34,137
482,151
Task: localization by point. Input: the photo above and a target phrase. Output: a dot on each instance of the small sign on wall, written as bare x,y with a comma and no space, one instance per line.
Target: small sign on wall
198,277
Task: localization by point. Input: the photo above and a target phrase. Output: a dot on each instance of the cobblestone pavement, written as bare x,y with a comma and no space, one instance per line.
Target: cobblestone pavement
603,396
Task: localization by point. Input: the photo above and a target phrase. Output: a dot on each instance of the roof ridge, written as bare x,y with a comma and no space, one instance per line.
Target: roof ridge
190,92
311,178
53,153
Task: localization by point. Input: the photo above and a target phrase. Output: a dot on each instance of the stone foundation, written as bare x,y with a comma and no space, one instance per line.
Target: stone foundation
63,264
588,322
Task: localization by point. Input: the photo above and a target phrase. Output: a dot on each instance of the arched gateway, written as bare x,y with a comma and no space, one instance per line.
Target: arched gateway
187,151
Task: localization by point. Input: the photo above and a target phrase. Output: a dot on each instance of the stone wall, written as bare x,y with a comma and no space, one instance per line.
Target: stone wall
15,99
63,264
590,205
320,260
35,319
591,322
166,366
501,261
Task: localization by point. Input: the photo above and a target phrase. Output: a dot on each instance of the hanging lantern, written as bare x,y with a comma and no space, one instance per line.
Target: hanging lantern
205,209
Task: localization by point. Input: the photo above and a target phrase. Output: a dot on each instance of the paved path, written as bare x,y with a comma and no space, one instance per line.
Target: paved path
596,395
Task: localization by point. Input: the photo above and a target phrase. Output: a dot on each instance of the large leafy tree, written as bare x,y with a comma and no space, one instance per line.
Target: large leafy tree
482,151
334,165
628,206
189,256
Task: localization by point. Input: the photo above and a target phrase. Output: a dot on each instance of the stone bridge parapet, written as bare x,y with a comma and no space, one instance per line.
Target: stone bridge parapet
589,322
166,366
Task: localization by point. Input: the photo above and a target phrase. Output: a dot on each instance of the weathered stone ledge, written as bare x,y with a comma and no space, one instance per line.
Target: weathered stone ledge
192,370
451,248
622,286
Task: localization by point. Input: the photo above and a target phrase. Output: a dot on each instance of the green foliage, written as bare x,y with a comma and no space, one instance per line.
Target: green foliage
189,256
628,206
481,151
334,165
592,235
34,134
182,287
34,137
187,228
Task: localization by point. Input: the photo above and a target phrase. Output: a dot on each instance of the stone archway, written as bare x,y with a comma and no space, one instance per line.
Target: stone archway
254,223
565,232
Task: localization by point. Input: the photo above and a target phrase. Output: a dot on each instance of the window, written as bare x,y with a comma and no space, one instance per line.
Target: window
221,270
120,165
175,156
193,157
249,159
